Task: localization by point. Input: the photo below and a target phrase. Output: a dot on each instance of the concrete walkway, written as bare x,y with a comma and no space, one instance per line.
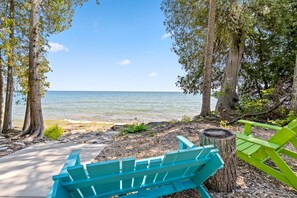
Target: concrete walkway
28,172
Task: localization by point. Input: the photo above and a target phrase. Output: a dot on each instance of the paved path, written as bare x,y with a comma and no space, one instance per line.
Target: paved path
28,172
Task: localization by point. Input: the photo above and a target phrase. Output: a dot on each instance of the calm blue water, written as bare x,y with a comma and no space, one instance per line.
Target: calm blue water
116,106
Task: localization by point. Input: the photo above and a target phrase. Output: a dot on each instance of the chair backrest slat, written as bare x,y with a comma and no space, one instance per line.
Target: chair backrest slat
128,165
293,125
150,178
168,159
183,155
102,169
202,155
140,166
78,173
283,136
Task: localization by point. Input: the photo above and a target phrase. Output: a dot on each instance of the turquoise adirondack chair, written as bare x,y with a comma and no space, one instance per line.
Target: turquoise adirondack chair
176,171
256,151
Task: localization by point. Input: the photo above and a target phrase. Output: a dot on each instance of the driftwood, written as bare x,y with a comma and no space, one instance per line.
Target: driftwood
225,179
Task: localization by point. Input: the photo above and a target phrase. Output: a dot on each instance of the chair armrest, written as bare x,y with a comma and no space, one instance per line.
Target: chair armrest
73,160
249,124
184,143
257,141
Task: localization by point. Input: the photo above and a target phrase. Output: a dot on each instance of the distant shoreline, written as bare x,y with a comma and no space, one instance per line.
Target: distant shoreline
117,91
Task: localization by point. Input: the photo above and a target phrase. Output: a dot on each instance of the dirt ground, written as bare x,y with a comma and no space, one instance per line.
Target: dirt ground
161,138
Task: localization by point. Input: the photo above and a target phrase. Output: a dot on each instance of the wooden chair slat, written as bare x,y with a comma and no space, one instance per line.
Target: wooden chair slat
140,166
150,178
78,173
245,146
206,151
251,149
101,169
128,165
184,155
168,159
282,137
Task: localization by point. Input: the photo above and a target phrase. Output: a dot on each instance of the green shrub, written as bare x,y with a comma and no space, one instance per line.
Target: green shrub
186,119
282,122
135,128
54,132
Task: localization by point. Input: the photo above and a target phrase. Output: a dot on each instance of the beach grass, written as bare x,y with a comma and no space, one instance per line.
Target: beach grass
69,125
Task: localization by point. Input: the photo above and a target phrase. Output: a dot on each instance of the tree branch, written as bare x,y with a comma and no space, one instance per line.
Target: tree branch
262,113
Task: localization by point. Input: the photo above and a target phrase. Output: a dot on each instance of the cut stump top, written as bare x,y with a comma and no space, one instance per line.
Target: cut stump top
218,133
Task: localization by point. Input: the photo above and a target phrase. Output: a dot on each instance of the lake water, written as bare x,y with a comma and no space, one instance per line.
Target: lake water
116,106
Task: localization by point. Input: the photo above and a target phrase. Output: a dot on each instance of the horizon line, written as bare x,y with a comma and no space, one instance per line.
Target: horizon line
122,90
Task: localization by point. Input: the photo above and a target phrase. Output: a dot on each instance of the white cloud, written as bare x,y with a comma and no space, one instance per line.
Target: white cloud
124,62
57,47
165,36
153,74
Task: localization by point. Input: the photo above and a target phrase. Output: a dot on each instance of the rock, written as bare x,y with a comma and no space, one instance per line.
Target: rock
117,127
94,142
14,138
3,148
20,143
93,133
110,133
79,141
9,150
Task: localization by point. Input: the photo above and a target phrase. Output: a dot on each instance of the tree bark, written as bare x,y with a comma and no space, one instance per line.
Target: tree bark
7,122
27,119
228,96
1,92
36,128
206,88
294,89
225,179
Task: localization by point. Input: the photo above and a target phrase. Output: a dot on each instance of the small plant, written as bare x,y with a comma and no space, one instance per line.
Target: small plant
186,119
282,122
224,124
135,128
54,132
174,121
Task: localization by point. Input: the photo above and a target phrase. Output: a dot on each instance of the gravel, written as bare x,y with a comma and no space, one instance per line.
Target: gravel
251,182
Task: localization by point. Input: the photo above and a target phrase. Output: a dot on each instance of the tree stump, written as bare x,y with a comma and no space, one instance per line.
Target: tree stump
225,179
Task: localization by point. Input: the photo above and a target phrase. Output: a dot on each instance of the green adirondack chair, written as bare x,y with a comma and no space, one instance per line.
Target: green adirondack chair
256,151
176,171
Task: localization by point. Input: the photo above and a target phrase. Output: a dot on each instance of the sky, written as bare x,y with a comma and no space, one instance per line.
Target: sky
119,45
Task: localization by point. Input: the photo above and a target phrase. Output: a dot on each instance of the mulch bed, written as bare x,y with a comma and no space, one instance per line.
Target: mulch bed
161,138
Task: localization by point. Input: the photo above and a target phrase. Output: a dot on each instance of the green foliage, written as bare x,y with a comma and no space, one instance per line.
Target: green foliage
282,122
267,29
249,104
173,121
135,128
54,132
186,119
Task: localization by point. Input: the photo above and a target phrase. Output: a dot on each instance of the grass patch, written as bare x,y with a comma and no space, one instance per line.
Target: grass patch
54,132
135,128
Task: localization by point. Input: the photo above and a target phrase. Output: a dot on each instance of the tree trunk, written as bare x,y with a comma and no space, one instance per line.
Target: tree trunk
1,92
7,122
206,89
36,118
228,97
225,179
294,90
26,123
